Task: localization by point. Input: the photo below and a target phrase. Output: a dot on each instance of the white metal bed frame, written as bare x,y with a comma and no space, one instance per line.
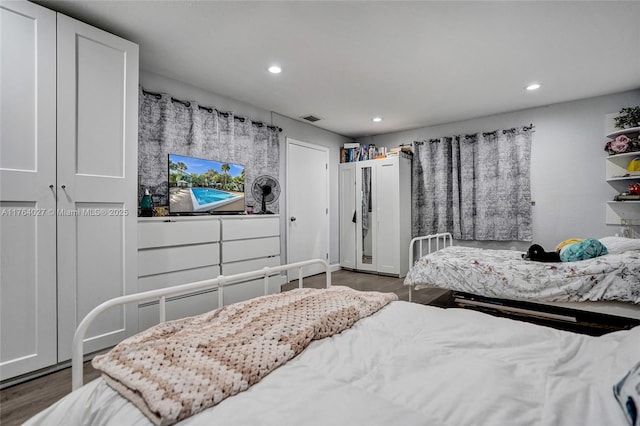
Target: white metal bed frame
444,238
161,295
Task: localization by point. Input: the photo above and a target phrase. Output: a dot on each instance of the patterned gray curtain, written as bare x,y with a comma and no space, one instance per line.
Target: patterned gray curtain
166,125
432,192
475,186
464,186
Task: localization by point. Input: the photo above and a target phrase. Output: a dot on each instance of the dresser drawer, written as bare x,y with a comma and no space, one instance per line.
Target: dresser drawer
154,282
233,251
167,259
233,293
244,228
249,265
174,233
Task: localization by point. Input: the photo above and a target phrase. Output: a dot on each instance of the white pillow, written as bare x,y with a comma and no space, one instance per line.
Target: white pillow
616,245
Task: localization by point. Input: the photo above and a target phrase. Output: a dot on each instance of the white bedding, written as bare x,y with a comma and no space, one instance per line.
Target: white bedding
504,274
414,364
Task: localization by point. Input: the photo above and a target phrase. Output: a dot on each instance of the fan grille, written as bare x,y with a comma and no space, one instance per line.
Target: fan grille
265,190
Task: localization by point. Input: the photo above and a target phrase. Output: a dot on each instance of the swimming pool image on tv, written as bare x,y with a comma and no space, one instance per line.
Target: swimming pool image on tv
205,199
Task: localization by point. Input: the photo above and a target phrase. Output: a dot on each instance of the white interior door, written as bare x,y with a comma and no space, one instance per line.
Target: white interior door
97,181
27,188
307,204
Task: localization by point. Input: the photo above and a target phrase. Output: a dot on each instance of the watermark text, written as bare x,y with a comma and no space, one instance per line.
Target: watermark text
19,211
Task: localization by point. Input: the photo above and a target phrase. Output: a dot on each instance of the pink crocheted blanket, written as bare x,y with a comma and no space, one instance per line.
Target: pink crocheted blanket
179,368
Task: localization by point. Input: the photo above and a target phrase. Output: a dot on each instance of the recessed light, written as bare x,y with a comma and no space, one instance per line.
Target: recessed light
376,119
274,69
533,86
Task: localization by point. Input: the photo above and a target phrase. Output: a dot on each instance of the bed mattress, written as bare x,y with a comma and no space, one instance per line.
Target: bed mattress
414,364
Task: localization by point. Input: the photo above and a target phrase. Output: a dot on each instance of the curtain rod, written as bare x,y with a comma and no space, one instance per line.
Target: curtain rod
187,104
485,134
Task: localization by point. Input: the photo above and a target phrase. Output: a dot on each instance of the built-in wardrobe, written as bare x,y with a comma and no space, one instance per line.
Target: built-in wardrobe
375,215
68,185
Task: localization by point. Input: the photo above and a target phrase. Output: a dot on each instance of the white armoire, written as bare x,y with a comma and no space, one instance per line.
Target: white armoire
375,215
68,185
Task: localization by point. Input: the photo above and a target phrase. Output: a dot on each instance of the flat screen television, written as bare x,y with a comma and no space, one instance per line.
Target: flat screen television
201,186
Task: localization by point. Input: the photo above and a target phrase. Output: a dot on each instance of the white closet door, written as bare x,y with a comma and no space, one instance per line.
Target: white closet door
347,212
27,203
97,181
388,207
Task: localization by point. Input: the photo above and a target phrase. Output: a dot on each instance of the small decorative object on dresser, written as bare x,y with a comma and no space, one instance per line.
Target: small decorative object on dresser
146,204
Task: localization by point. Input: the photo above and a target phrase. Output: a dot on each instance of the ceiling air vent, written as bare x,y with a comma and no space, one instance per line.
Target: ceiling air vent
311,118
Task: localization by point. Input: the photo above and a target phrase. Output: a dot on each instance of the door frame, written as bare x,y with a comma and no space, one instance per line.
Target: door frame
290,141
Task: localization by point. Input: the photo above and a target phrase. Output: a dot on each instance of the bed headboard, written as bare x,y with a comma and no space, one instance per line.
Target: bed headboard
432,241
162,294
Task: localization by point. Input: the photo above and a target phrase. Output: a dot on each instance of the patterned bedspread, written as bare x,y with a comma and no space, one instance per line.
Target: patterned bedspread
179,368
504,274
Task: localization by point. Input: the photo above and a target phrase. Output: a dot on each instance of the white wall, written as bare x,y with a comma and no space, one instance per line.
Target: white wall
291,128
567,163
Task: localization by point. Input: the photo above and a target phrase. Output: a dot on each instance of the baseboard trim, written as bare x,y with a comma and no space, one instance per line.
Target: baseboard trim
335,267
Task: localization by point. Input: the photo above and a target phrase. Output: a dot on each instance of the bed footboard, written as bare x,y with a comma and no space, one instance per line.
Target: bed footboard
433,242
161,295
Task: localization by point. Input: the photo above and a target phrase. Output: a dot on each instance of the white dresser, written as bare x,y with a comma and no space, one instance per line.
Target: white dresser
179,250
250,243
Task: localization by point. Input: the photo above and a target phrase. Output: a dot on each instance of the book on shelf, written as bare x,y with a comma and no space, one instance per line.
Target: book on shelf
403,154
402,148
627,197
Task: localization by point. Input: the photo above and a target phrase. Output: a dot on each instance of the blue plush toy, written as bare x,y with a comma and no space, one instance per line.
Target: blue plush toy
586,249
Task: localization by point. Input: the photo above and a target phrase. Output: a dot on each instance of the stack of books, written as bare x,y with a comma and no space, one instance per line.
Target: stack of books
351,152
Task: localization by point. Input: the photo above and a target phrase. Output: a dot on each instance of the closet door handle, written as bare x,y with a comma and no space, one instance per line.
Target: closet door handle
51,186
63,186
293,219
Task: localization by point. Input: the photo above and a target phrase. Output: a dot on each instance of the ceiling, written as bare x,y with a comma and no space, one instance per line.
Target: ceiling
414,63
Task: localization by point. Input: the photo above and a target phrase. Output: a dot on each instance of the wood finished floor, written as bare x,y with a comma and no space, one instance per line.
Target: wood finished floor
20,402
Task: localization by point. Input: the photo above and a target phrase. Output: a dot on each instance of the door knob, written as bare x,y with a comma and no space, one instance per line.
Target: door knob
293,218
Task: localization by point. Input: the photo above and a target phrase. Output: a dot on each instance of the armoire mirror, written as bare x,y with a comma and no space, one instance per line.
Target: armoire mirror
366,222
